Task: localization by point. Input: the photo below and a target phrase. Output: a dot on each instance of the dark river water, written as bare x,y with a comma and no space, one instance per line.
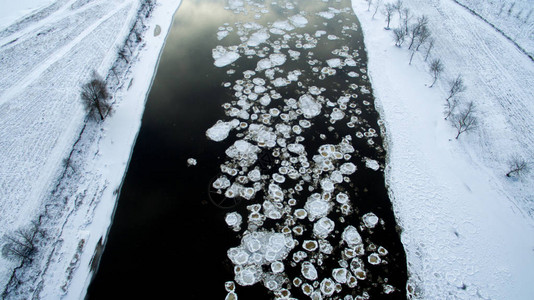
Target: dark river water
169,238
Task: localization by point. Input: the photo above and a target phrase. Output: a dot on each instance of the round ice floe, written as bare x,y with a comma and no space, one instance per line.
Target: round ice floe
301,213
191,162
223,56
374,259
277,267
247,192
327,185
351,236
220,130
278,178
310,245
347,168
221,183
382,251
337,114
342,198
372,164
328,287
254,175
317,207
276,192
233,219
257,38
298,20
323,227
334,63
231,296
296,148
310,108
308,270
248,275
238,256
370,220
340,275
229,286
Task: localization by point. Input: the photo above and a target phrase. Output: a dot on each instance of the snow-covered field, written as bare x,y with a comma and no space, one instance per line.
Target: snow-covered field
56,167
467,228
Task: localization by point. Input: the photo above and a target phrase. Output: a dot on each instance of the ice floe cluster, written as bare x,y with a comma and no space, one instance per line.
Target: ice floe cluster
296,179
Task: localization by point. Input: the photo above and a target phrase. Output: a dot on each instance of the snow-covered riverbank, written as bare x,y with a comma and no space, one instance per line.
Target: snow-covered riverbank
467,228
42,118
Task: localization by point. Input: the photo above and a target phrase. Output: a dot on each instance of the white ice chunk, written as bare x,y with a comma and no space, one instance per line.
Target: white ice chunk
220,130
372,164
370,220
308,270
298,20
258,38
223,57
317,207
351,236
310,108
323,227
334,62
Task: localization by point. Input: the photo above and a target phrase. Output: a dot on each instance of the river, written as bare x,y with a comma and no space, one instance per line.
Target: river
298,138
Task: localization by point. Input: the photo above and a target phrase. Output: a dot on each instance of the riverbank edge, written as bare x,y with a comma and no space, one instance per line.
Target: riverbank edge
118,140
456,241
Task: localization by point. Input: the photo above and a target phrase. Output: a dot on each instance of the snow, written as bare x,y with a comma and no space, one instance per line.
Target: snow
14,10
467,229
49,152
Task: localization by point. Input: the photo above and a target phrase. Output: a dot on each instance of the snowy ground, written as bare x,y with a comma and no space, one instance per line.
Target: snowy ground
467,228
46,56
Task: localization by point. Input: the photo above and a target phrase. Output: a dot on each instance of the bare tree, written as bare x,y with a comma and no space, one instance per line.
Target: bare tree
422,37
517,166
456,86
398,5
436,68
369,3
429,48
465,120
389,9
405,18
20,244
450,107
399,35
415,29
377,3
95,94
412,53
123,54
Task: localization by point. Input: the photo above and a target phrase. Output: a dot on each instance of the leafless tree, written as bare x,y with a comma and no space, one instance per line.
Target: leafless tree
412,54
436,68
415,29
389,9
456,86
422,37
369,3
405,18
429,48
20,244
450,107
465,120
377,3
399,5
399,35
517,166
95,95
